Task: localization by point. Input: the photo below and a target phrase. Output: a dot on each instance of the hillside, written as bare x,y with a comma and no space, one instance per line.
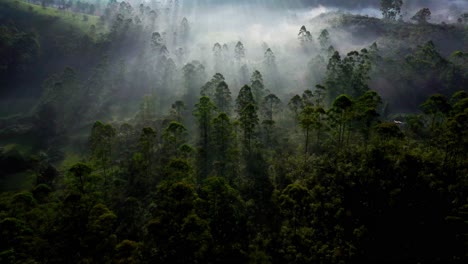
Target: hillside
26,14
232,132
39,41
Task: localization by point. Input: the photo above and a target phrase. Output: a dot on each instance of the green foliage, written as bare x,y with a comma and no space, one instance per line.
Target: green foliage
80,171
367,113
295,105
41,192
389,130
249,120
247,113
244,98
307,120
257,86
19,48
127,252
211,181
23,201
101,147
269,204
100,232
204,112
223,99
174,136
224,147
177,234
47,13
270,106
349,75
390,8
342,110
437,105
211,87
227,213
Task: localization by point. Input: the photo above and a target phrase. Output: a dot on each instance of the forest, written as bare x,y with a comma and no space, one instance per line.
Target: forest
179,131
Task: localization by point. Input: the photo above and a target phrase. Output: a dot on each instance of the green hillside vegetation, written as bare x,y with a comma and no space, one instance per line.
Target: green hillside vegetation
400,36
125,140
48,17
37,42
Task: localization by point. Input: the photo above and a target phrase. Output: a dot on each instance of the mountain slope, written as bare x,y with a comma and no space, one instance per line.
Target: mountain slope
42,41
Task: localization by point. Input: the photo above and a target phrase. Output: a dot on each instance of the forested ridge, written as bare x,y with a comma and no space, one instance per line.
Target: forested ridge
142,132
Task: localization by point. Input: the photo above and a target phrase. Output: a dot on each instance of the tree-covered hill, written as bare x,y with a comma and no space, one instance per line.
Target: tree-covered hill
37,41
399,37
176,132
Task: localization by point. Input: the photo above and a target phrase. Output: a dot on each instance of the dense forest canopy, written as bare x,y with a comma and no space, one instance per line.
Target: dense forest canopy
219,131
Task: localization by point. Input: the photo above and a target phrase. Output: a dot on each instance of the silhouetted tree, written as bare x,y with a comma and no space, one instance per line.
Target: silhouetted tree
422,16
390,8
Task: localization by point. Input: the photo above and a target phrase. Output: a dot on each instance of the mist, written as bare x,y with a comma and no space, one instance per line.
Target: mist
222,131
158,46
444,10
259,26
189,32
